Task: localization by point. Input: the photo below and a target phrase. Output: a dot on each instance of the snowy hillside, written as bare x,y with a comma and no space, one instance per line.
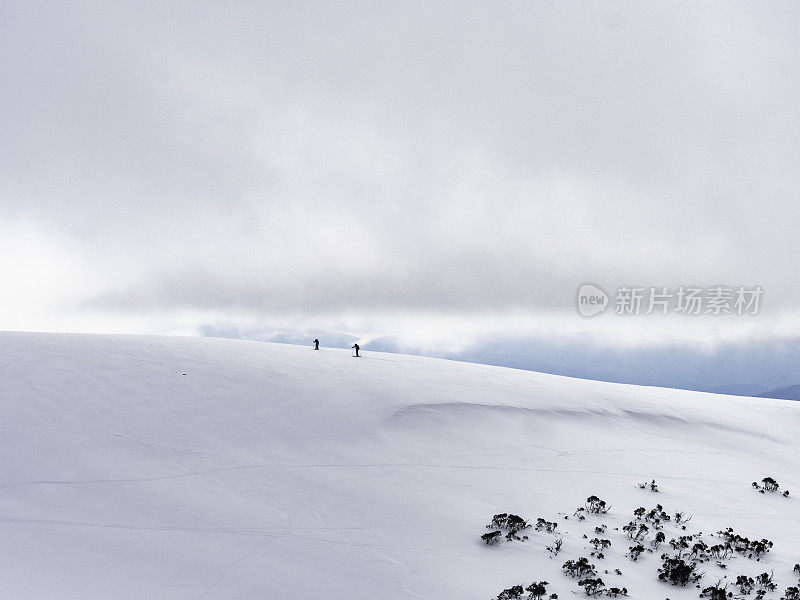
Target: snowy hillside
169,468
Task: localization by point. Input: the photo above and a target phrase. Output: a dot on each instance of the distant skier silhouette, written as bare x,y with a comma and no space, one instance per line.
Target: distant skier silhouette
316,344
357,347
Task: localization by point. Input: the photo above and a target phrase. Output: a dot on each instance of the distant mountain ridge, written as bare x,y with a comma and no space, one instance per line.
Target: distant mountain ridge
740,389
788,393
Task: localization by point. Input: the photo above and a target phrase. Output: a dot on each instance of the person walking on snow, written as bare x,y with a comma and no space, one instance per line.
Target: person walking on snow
316,344
356,346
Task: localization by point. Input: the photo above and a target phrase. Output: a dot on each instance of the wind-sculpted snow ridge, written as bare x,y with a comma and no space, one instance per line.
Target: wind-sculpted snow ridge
189,468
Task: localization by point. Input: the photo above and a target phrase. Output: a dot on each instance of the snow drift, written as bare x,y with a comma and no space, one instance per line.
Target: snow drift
146,467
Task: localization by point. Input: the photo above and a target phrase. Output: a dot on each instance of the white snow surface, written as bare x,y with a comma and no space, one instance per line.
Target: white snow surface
191,468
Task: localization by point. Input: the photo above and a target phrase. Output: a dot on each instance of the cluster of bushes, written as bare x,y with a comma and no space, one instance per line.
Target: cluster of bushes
744,546
659,539
599,547
592,586
696,550
536,591
679,566
652,486
762,585
634,552
555,547
596,506
682,544
492,538
512,524
593,506
548,526
656,516
768,484
677,571
579,568
716,592
636,531
792,592
745,584
615,591
586,574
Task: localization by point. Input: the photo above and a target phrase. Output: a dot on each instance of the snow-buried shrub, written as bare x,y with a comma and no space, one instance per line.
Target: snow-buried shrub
592,586
579,568
512,524
677,571
536,591
791,593
636,531
765,584
715,592
511,593
744,546
599,546
652,486
745,584
768,484
542,524
492,538
656,516
555,547
596,506
634,552
659,539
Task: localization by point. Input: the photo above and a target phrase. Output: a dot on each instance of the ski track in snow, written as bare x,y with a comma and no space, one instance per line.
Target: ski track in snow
378,466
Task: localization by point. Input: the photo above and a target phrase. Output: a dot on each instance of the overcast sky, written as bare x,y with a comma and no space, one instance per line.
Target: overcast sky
435,171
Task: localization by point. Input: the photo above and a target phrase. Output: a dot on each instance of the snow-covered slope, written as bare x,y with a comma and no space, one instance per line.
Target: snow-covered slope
144,467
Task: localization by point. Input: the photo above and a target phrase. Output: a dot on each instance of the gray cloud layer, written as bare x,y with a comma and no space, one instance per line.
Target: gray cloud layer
285,157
